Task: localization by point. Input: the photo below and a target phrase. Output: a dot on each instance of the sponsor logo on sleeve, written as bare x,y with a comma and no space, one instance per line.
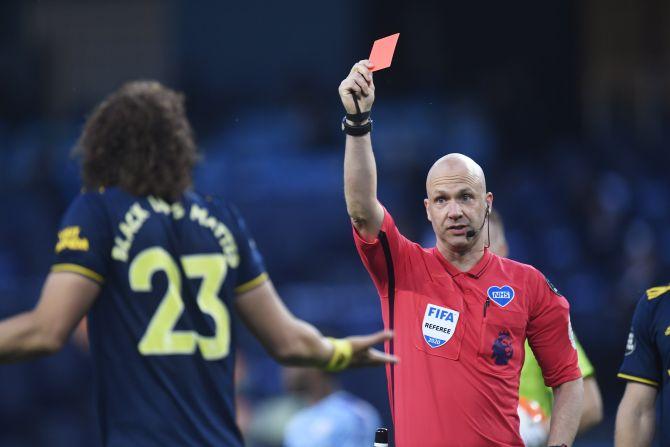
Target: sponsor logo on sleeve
69,239
439,324
630,344
502,296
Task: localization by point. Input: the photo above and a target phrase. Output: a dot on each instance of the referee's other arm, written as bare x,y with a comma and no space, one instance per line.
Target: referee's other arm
566,412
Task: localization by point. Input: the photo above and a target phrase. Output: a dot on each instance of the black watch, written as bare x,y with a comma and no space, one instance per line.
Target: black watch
356,130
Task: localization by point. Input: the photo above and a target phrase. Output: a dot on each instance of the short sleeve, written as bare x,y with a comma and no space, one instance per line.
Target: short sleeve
84,239
550,334
378,255
251,270
641,362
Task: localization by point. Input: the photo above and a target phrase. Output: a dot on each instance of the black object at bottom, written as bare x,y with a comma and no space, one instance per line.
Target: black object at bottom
382,436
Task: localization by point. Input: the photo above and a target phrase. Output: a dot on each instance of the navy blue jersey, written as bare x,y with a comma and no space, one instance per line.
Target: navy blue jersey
647,357
160,330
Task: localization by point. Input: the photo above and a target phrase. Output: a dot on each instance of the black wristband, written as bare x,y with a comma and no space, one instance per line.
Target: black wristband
358,117
356,131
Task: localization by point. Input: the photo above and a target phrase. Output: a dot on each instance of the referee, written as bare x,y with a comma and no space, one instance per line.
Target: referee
460,313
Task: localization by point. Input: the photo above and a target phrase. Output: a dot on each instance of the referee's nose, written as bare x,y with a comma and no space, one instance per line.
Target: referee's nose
454,210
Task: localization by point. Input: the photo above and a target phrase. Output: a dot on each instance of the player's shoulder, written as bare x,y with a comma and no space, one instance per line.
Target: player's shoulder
653,300
657,293
90,196
101,197
87,201
203,199
219,206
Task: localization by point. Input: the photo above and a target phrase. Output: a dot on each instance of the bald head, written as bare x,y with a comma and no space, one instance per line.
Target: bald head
454,166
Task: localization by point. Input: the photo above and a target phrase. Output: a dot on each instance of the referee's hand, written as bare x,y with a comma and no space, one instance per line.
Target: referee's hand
359,83
365,355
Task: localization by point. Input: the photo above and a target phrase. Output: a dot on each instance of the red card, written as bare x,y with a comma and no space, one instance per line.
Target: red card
382,52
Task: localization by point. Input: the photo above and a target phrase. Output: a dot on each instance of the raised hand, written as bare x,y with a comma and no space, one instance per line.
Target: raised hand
359,86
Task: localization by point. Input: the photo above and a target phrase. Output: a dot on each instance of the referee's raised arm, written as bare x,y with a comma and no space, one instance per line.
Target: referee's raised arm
357,92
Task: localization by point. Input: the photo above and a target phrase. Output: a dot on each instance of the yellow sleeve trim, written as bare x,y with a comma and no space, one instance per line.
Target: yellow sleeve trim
638,379
655,292
74,268
257,281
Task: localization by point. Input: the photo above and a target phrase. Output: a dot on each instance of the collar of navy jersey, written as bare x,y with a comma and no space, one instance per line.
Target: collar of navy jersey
476,271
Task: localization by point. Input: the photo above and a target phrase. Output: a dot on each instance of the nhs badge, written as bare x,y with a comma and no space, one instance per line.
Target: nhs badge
439,324
502,296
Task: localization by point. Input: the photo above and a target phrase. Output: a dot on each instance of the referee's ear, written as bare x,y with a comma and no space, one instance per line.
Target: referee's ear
425,203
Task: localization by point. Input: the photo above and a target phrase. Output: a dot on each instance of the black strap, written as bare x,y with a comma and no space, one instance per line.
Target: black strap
359,116
356,130
358,109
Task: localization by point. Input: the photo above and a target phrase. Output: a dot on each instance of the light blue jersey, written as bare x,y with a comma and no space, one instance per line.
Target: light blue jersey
339,420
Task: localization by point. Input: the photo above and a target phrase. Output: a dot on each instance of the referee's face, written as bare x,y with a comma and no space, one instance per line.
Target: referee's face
456,204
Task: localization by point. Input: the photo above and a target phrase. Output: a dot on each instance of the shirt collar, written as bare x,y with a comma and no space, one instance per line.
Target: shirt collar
476,271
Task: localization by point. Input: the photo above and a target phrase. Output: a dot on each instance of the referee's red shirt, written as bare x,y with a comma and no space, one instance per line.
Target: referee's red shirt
457,381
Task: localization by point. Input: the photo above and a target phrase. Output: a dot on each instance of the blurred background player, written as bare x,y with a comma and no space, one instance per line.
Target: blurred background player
159,269
332,417
535,398
315,411
646,368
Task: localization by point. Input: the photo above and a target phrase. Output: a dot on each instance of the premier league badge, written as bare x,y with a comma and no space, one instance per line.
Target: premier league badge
502,296
439,324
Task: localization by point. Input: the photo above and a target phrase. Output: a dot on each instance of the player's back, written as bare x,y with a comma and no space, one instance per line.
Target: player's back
160,330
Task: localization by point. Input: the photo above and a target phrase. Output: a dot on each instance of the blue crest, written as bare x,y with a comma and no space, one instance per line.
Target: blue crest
502,349
502,296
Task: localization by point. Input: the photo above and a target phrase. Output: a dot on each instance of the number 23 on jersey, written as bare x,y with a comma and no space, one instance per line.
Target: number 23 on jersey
160,337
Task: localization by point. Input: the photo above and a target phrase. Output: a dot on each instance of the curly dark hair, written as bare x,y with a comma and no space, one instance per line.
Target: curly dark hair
140,140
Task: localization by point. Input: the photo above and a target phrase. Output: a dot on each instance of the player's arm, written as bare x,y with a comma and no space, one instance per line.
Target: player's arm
65,299
360,170
566,412
636,416
292,341
592,413
642,368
